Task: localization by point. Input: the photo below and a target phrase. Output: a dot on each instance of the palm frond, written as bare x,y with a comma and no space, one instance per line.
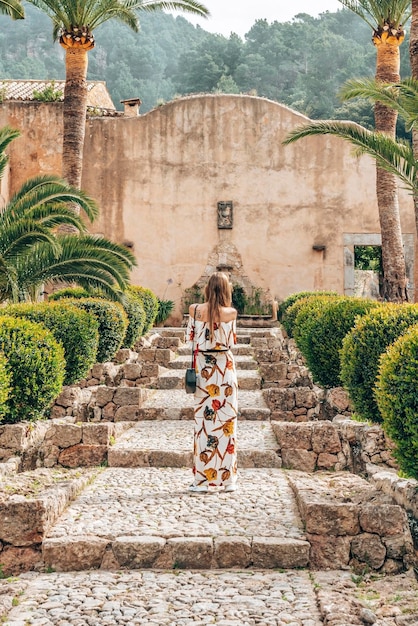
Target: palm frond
7,134
17,236
395,157
189,6
12,8
380,12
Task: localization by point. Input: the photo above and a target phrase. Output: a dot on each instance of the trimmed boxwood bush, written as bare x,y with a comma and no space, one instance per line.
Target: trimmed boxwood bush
112,321
361,351
75,329
36,364
291,312
397,398
294,297
135,312
5,385
70,292
149,301
319,335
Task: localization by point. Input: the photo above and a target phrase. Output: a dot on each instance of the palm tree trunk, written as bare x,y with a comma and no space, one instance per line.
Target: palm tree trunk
413,56
75,111
393,257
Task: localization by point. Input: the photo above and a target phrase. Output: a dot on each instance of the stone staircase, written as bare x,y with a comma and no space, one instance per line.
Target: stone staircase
136,514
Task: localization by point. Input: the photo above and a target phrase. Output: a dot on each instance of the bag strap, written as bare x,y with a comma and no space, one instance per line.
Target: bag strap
193,364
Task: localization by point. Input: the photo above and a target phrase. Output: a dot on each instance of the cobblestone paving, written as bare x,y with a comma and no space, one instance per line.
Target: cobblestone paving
228,598
178,435
155,501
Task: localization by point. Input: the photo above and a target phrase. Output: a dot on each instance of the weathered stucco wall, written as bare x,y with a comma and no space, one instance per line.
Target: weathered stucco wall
158,179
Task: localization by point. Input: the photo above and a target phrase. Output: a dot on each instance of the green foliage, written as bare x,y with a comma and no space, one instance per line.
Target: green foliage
135,310
191,295
239,299
368,258
397,398
5,385
112,321
70,292
36,364
149,301
287,317
74,329
319,331
361,351
48,94
165,307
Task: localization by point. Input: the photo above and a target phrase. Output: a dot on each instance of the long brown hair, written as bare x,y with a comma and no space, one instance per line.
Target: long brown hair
218,293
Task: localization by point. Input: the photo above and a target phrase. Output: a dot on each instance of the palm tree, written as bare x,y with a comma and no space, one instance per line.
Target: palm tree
413,56
31,253
12,8
73,24
386,19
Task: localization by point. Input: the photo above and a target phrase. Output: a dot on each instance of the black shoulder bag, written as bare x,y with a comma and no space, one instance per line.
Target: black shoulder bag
190,379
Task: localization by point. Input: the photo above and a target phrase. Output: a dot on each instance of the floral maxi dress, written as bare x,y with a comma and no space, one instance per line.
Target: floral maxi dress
216,404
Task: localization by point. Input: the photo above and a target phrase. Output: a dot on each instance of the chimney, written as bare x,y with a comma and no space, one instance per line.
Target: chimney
131,107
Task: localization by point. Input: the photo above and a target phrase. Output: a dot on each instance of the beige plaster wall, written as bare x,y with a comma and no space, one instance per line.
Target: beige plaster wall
158,178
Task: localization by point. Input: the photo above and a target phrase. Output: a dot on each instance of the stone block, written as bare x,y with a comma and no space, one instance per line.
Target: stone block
293,436
258,458
64,435
323,518
383,519
329,552
104,395
22,521
327,461
123,355
273,371
232,552
151,370
13,436
128,414
97,434
280,399
274,552
368,549
83,455
399,546
97,371
137,552
186,553
15,561
108,411
304,396
132,371
165,356
297,459
66,554
69,396
171,343
338,399
125,396
147,354
325,438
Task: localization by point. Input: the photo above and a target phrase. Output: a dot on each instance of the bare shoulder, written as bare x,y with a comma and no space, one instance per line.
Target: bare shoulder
198,309
229,314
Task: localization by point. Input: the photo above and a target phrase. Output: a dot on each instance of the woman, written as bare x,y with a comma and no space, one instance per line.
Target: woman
212,329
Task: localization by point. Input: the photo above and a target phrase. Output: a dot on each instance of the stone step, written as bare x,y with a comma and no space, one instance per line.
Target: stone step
172,445
349,523
241,362
241,349
146,518
174,379
175,404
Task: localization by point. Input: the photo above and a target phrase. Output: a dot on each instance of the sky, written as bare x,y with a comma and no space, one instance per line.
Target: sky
239,15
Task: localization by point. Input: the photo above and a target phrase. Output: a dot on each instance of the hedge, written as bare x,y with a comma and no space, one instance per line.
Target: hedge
397,398
294,297
5,385
36,365
70,292
135,311
361,351
112,321
319,335
149,301
292,311
76,330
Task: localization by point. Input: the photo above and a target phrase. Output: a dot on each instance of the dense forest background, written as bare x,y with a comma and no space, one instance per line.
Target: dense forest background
301,63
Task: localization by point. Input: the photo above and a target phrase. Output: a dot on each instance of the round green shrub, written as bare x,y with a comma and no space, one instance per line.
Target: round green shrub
149,301
293,310
319,335
36,365
112,321
135,312
5,385
75,329
397,398
294,297
361,350
70,292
